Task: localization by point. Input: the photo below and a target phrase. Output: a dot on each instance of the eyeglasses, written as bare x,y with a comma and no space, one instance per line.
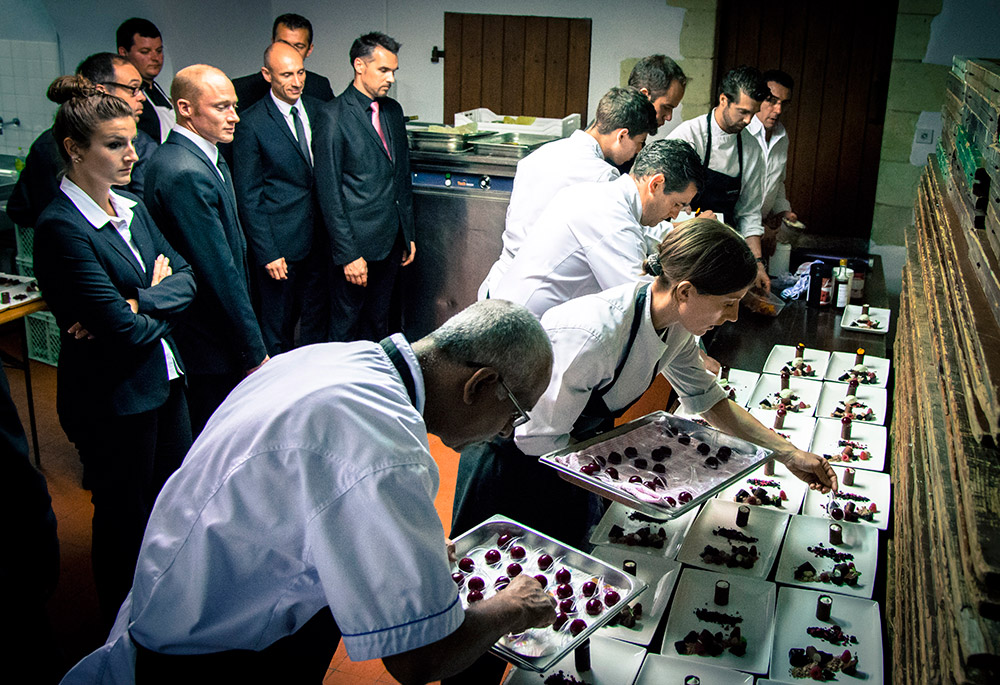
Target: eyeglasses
131,89
520,417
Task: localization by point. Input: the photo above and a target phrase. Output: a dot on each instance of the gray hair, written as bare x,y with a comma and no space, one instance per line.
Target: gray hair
655,73
499,334
676,160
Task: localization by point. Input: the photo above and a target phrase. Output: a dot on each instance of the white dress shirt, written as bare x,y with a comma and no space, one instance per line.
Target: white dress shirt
775,153
97,218
539,176
587,239
311,486
589,336
725,160
208,148
166,115
286,112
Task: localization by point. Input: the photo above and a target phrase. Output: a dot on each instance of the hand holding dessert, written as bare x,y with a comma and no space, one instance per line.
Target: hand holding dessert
811,468
531,606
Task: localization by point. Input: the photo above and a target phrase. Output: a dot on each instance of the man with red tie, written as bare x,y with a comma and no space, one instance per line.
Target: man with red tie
365,192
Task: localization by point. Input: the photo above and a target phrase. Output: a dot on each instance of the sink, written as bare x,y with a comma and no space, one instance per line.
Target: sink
8,176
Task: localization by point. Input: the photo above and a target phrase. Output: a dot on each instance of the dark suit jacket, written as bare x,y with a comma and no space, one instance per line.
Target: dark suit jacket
252,88
86,275
365,197
38,183
197,213
149,121
274,183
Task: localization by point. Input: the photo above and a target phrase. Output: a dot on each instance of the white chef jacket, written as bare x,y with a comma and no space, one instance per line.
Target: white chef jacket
726,160
587,239
539,176
775,153
312,485
589,336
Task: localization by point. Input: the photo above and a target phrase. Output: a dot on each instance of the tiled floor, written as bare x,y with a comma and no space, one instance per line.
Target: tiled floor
73,608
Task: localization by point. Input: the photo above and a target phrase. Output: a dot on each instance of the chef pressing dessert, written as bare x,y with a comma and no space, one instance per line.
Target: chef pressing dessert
304,514
608,347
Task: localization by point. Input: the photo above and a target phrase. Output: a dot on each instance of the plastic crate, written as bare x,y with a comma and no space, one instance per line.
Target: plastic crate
25,267
25,242
43,337
487,120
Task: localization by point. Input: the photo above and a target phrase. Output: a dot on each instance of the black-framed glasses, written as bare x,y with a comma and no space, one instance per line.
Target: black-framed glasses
131,89
521,417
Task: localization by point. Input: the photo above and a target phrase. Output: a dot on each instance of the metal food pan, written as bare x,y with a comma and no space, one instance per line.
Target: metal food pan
676,423
477,541
510,144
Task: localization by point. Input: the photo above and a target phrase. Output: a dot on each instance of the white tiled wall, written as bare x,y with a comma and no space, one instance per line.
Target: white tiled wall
26,70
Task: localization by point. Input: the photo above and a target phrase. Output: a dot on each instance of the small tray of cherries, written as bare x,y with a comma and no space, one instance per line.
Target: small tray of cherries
588,591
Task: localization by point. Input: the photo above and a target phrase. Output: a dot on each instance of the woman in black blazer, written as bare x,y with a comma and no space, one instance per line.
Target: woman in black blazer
116,288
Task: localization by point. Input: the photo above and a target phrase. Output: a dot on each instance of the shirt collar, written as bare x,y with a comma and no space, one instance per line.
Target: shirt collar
757,129
716,129
360,98
582,137
284,107
208,148
631,190
411,361
92,212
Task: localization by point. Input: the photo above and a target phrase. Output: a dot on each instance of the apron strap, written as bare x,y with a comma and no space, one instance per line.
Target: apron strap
396,357
708,146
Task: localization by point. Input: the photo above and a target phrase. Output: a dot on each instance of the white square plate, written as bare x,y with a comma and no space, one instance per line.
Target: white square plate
842,362
749,598
796,613
826,441
794,488
797,429
765,523
660,576
849,321
741,383
612,662
782,355
809,531
871,484
832,397
631,520
658,670
806,390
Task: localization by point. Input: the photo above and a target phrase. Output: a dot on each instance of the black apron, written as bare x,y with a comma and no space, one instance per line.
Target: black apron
497,478
721,192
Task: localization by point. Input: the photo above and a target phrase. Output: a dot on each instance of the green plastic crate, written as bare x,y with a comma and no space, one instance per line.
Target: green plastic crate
43,337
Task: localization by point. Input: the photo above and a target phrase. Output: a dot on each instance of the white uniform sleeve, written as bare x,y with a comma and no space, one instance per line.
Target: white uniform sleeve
688,131
580,364
385,573
748,206
781,203
697,390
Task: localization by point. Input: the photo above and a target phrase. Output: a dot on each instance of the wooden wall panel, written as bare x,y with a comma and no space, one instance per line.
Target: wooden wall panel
535,66
841,69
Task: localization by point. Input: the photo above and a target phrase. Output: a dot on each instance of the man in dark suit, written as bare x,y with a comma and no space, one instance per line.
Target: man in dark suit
189,192
140,42
294,30
365,192
275,191
38,183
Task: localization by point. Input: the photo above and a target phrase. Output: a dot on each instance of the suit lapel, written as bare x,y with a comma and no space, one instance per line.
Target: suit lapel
280,122
365,119
112,237
227,192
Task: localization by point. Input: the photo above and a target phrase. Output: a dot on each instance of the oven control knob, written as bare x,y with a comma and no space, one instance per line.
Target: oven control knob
484,182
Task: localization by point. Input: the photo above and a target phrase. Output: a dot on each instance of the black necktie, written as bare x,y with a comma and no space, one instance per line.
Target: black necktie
300,134
226,176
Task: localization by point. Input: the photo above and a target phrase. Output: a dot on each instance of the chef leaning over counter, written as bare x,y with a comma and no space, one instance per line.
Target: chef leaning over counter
608,347
305,513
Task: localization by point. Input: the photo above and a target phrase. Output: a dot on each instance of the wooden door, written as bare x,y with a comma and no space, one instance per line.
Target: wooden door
839,55
516,65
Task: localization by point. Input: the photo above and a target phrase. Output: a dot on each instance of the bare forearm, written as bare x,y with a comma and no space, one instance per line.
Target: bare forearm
733,419
753,242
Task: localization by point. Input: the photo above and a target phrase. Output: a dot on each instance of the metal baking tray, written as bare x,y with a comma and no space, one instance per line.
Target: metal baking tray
754,455
510,144
550,646
440,141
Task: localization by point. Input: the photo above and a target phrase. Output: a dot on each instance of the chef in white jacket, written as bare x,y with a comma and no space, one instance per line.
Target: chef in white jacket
608,348
591,237
625,117
734,165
